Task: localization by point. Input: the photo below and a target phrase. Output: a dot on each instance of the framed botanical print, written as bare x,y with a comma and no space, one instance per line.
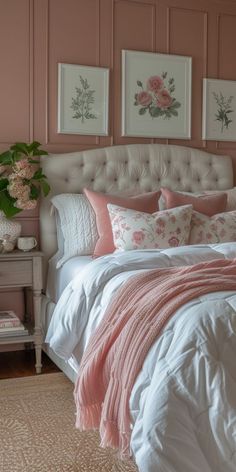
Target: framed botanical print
156,95
83,94
219,110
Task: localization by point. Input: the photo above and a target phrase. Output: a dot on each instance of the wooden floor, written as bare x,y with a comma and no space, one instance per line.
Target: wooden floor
21,364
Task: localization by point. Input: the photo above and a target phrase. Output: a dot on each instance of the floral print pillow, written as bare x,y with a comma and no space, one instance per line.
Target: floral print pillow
220,228
138,230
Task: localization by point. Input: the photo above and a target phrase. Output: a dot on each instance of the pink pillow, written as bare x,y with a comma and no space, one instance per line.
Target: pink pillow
231,197
148,202
207,204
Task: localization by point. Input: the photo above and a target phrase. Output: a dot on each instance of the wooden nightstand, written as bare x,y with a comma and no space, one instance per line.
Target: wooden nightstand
24,269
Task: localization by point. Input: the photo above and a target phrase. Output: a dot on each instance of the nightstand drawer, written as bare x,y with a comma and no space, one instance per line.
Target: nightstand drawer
15,272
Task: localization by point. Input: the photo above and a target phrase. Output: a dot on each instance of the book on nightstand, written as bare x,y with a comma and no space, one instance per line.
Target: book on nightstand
10,324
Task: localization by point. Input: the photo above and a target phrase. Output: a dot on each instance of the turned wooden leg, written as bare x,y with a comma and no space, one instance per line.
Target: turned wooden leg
38,339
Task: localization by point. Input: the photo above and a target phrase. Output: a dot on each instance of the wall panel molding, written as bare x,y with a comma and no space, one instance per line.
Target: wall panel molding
226,23
16,79
71,140
226,68
138,34
47,75
31,70
182,21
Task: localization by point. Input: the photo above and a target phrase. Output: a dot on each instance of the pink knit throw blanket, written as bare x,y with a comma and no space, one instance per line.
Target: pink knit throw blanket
131,324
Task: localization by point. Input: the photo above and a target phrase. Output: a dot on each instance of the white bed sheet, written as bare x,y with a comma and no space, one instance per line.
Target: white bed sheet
70,367
58,279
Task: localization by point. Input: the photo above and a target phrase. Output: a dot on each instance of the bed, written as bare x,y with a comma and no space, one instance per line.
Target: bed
142,168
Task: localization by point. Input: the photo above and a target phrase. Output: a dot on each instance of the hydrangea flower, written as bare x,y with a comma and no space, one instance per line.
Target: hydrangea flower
21,178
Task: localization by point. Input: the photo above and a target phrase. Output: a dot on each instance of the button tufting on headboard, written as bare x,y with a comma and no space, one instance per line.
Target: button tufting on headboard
143,167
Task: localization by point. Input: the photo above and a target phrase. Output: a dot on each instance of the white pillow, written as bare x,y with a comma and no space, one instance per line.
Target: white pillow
60,237
78,225
220,228
138,230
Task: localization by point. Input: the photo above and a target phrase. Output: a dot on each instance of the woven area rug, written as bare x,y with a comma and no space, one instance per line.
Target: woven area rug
37,432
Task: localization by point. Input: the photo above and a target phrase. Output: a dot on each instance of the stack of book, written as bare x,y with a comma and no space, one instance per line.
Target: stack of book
10,325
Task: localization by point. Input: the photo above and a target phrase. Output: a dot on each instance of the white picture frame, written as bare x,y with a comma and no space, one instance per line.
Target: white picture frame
158,108
219,110
83,99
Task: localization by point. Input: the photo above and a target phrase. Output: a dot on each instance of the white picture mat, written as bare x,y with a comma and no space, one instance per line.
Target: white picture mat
211,128
141,65
68,80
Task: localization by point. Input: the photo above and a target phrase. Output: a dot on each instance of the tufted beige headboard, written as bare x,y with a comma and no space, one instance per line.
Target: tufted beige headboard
139,167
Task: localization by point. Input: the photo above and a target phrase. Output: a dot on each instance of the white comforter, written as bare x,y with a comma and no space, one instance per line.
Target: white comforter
183,403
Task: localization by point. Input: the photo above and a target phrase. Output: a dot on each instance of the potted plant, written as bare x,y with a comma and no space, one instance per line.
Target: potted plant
21,182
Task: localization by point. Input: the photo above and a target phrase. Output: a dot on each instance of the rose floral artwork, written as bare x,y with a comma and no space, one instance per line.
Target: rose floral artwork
156,97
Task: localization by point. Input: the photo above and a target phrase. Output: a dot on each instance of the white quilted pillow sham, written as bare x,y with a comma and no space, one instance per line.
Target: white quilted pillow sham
138,230
78,225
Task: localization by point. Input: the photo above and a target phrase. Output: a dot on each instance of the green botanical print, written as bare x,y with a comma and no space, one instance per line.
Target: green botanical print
83,101
223,110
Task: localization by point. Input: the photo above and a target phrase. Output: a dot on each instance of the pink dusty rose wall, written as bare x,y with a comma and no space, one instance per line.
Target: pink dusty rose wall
37,34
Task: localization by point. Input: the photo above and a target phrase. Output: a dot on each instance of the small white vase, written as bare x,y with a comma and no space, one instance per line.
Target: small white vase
9,227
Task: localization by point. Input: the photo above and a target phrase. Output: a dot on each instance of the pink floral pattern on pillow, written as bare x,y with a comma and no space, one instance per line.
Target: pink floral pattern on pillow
138,230
220,228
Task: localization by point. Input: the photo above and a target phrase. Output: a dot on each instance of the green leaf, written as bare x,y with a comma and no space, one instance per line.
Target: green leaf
91,115
6,158
34,192
28,149
82,81
45,187
142,111
39,152
20,147
33,161
3,184
16,156
139,83
7,205
173,112
167,114
155,111
38,174
77,115
176,104
33,146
